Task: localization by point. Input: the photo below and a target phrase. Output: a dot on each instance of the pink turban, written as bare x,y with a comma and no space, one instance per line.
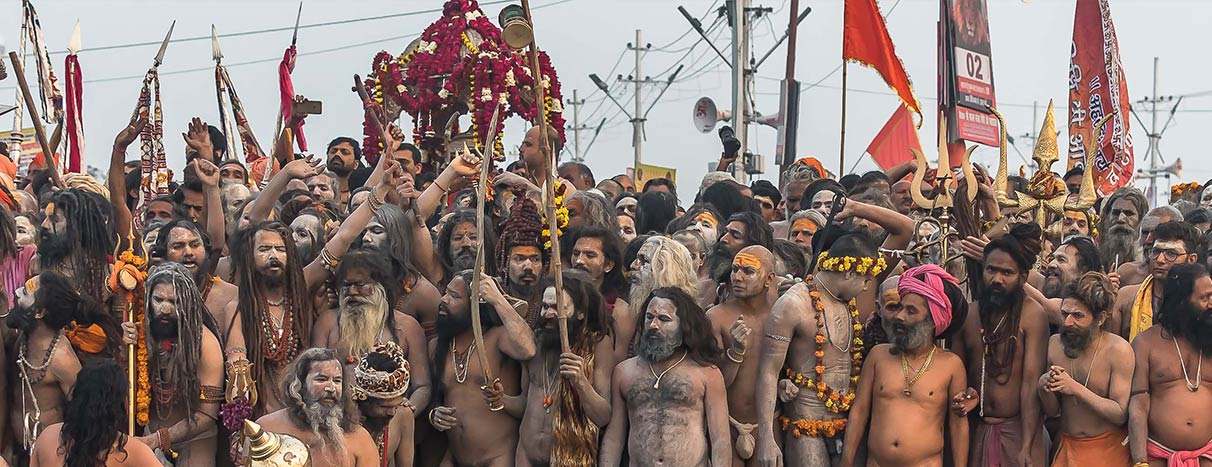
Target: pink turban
931,288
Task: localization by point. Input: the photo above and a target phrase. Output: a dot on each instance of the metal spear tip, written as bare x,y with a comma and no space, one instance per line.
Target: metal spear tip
294,37
164,45
215,52
73,44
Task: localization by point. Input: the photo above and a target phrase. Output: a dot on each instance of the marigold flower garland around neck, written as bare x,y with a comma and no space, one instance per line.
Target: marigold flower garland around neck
835,401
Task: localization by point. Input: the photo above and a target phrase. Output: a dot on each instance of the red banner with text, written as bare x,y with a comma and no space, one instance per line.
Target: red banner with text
1097,87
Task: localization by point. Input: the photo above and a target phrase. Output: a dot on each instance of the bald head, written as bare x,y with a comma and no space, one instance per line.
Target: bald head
752,273
761,254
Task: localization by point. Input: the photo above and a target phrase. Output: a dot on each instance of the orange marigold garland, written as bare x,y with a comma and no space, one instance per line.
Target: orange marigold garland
127,279
835,401
827,428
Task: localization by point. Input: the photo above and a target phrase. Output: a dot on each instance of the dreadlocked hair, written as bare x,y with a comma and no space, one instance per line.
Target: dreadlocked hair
399,226
575,436
89,235
94,417
523,227
8,234
183,357
252,296
160,248
464,216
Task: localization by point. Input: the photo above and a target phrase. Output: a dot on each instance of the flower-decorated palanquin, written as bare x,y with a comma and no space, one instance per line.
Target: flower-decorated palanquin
459,66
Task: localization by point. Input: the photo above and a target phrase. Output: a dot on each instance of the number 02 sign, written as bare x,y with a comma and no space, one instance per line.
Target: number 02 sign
974,83
971,70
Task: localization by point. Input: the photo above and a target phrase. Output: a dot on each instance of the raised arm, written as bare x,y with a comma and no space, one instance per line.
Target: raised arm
216,223
898,226
117,180
418,361
265,201
518,341
315,273
780,329
457,173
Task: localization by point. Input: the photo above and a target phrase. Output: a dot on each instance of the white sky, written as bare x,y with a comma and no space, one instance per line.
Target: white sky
1030,52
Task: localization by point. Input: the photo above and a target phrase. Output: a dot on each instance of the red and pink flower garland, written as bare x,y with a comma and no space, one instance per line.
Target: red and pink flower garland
449,69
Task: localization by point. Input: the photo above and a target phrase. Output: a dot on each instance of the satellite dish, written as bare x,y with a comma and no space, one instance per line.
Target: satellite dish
706,115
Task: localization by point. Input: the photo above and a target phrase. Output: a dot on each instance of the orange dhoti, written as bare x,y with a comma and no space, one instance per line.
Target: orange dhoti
1107,450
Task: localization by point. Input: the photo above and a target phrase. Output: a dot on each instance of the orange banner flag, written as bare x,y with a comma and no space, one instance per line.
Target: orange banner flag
891,146
865,40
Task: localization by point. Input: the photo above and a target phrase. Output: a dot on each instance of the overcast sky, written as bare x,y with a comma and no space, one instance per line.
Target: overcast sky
1031,44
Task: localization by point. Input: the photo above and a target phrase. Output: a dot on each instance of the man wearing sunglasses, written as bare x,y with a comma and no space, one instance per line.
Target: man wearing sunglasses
1174,243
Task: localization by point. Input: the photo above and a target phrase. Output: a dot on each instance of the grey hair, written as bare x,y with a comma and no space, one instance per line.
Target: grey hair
191,317
598,211
811,214
1171,211
714,177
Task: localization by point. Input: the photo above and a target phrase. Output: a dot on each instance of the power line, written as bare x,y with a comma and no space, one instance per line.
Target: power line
275,58
287,28
665,48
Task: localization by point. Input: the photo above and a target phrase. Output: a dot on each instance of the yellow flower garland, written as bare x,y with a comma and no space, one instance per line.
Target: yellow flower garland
866,266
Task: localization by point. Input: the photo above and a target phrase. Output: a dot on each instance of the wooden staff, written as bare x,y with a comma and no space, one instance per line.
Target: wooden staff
477,329
39,131
552,223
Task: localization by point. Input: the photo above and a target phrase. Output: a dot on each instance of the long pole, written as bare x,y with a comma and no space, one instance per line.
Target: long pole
841,153
548,179
637,122
31,106
576,127
789,80
130,376
1154,142
740,47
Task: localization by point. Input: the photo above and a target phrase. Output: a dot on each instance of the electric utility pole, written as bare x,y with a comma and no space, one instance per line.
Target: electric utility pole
577,126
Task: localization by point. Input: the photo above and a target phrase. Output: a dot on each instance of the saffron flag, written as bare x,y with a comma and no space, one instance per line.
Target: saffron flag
1097,87
865,40
892,144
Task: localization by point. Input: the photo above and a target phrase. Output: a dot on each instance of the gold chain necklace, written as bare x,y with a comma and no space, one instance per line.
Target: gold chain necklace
910,380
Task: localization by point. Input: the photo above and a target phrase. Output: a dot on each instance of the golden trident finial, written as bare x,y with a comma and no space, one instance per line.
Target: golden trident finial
1045,191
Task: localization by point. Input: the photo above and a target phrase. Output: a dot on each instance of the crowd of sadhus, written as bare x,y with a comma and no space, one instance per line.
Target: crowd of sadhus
326,304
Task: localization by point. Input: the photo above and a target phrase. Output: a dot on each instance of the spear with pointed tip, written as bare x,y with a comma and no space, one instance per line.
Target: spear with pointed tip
152,163
221,88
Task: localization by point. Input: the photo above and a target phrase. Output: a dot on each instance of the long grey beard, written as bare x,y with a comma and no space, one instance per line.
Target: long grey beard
325,422
360,325
1117,244
655,347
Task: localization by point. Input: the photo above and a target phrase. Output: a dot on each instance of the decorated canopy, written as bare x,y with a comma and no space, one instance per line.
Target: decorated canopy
459,66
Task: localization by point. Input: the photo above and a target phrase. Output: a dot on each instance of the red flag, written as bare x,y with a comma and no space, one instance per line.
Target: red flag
865,40
286,92
75,114
891,146
1097,85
